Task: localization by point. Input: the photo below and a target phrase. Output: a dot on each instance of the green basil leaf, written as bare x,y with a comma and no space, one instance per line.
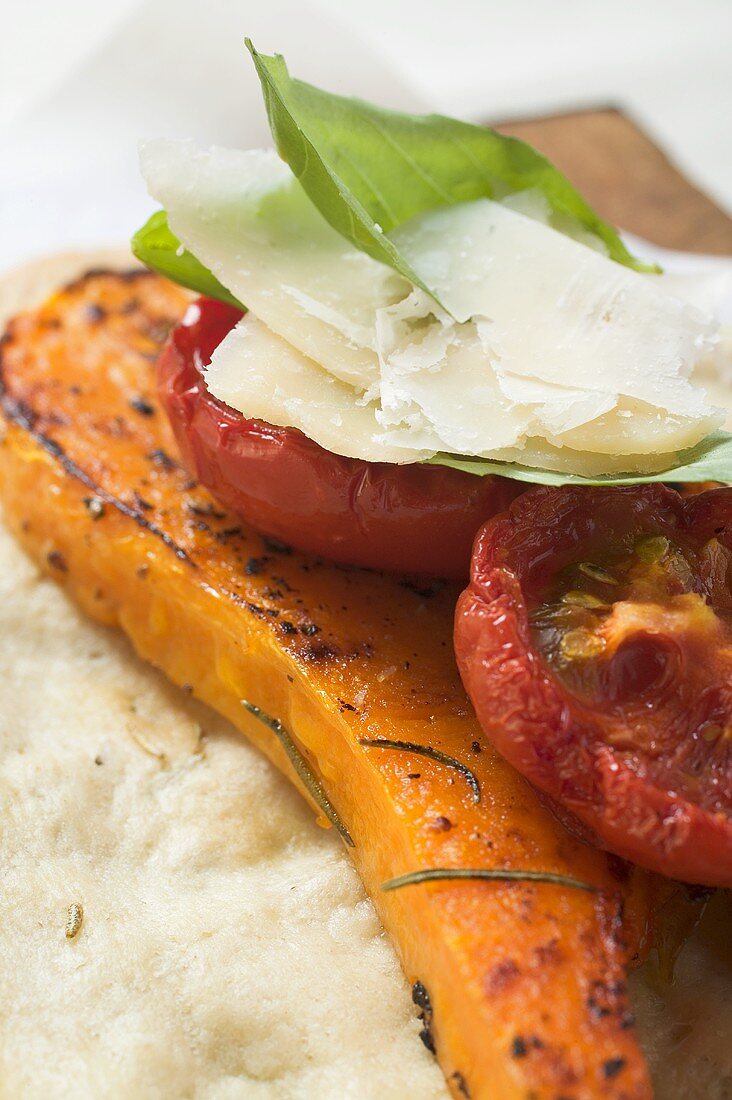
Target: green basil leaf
158,247
709,460
369,170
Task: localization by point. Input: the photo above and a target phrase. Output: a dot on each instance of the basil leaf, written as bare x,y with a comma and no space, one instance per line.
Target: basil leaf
158,247
369,170
709,460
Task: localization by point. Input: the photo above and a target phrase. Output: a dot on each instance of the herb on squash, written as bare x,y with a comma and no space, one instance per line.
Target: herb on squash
433,754
301,766
492,874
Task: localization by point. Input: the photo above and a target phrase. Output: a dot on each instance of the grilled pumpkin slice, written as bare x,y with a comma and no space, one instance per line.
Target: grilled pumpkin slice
521,984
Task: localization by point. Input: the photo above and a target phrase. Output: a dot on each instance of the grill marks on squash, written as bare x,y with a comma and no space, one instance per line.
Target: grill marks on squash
124,298
421,998
25,418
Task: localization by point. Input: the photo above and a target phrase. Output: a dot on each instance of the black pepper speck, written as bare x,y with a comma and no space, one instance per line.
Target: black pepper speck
518,1047
613,1067
254,566
161,458
141,406
275,546
460,1084
57,561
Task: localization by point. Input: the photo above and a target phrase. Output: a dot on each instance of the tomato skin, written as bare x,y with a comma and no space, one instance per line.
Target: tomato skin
558,740
413,519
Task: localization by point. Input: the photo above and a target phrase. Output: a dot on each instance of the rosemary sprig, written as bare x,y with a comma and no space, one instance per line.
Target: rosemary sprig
301,766
433,874
433,754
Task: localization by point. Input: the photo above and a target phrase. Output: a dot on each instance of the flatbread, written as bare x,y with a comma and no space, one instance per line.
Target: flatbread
227,949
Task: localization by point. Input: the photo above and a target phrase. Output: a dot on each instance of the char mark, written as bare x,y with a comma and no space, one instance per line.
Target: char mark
25,418
128,275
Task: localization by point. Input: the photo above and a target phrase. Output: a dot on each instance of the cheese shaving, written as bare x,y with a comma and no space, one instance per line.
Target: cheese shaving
541,349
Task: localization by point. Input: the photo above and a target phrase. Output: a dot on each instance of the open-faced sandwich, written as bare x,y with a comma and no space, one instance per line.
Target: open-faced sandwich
425,517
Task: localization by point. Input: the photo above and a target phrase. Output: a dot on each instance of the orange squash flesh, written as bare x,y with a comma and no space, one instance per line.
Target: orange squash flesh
526,981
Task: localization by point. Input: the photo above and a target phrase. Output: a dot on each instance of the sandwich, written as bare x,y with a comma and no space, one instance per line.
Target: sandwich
395,456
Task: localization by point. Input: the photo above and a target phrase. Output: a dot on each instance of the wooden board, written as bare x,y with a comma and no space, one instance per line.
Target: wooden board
628,179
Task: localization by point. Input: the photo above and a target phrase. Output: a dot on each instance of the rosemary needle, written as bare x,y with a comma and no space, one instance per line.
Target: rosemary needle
434,874
301,766
433,754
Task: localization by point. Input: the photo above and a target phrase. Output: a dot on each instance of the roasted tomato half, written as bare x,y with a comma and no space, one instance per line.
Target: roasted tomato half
595,641
413,519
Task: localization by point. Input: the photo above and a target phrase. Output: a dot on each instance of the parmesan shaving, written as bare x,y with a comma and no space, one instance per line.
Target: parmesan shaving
540,348
257,371
245,216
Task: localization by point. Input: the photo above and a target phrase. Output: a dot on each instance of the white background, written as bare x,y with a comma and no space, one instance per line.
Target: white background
82,80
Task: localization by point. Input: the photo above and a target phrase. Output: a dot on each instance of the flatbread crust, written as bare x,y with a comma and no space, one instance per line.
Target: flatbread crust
227,949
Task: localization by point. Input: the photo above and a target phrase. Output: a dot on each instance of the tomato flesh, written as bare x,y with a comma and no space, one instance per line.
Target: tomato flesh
595,641
414,518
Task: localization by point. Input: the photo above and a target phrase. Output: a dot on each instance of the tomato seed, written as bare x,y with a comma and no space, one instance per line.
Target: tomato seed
597,573
578,645
652,548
